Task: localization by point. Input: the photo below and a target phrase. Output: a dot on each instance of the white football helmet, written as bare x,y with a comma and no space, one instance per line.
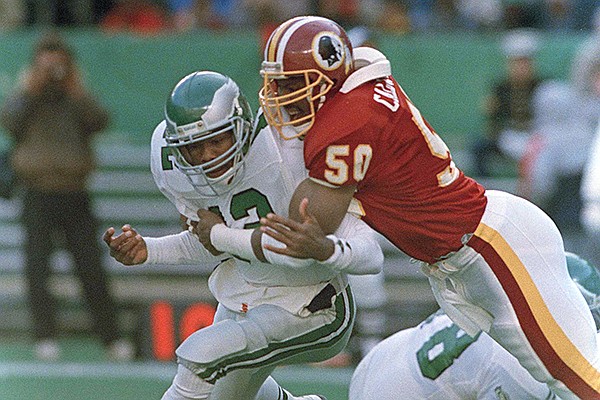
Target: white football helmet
203,105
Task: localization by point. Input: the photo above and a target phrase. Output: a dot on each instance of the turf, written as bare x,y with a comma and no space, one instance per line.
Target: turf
83,374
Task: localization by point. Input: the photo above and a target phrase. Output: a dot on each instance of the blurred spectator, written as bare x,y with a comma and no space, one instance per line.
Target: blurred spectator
508,107
52,118
268,14
183,14
370,11
59,12
583,11
585,75
189,15
556,155
420,13
267,19
394,18
445,16
99,9
12,14
210,14
559,15
345,12
481,15
142,17
434,15
229,13
523,14
565,123
590,193
585,65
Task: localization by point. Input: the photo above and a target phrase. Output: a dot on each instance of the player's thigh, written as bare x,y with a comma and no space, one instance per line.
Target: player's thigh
266,335
527,276
520,278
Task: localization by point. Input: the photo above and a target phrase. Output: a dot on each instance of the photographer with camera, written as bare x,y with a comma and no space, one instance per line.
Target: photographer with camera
52,119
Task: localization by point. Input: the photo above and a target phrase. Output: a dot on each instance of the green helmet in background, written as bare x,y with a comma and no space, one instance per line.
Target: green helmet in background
202,105
587,279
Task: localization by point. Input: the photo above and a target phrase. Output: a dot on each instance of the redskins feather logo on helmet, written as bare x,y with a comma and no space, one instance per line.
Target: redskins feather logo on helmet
306,61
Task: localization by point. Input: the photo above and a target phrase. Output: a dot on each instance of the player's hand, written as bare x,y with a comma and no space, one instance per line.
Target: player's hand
208,219
128,248
302,240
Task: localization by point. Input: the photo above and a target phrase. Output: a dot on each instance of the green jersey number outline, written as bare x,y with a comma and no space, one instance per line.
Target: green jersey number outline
439,352
250,199
166,163
241,203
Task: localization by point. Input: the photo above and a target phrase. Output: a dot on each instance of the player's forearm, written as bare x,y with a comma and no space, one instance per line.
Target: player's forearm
360,253
247,244
181,248
328,204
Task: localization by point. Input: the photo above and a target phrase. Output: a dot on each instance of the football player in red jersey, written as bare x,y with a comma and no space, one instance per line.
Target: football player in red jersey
495,261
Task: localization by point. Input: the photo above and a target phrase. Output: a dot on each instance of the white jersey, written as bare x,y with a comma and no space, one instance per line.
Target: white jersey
437,360
273,169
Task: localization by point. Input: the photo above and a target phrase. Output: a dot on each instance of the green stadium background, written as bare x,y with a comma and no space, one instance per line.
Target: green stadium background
446,75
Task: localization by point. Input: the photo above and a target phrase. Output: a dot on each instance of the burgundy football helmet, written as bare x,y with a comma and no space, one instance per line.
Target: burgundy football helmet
306,61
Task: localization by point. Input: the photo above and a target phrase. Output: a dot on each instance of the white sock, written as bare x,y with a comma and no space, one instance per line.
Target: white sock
186,386
270,390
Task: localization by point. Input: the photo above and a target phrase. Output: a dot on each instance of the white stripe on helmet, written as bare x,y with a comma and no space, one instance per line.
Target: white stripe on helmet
289,32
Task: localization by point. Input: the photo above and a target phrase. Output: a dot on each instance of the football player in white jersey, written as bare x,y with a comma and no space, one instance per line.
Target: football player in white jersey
206,155
438,360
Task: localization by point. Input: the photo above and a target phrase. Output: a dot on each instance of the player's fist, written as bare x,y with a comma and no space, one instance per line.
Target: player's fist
128,247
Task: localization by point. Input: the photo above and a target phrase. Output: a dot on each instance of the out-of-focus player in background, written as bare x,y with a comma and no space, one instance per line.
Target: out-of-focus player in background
495,261
590,196
438,360
210,161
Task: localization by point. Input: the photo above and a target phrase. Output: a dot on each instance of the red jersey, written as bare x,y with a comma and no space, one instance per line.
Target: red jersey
407,184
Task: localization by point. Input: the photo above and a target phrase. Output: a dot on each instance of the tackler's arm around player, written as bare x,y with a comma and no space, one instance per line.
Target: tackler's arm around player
202,229
354,256
328,204
303,239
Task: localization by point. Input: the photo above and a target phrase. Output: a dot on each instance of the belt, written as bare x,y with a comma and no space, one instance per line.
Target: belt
323,299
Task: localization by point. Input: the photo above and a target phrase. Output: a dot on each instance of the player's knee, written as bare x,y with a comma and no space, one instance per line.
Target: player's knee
211,345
